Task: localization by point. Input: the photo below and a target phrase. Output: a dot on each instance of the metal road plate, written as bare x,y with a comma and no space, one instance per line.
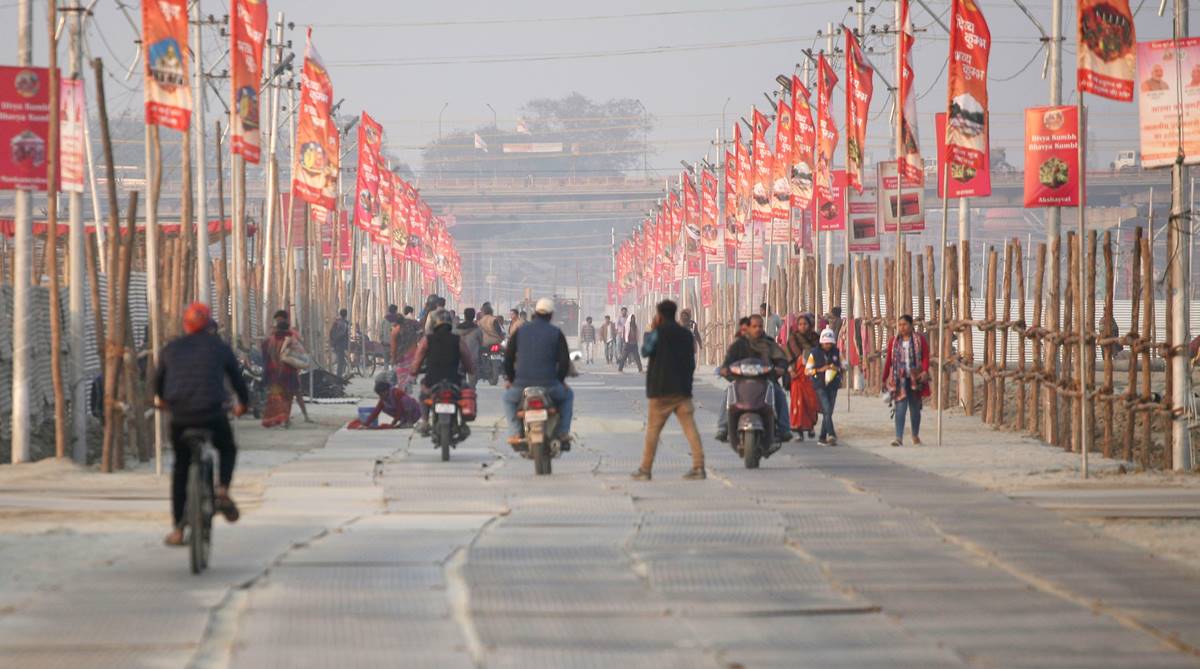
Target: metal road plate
536,574
587,658
391,603
596,633
272,656
534,415
554,554
735,575
700,517
600,598
150,654
356,579
683,535
445,408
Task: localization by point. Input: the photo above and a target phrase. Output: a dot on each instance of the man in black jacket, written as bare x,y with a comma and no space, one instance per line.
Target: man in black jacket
672,353
190,381
445,357
537,355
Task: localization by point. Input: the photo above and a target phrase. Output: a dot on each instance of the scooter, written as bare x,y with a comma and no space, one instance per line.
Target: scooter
450,408
539,420
752,410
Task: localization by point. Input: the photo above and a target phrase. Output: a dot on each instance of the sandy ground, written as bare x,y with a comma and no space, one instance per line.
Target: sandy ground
58,519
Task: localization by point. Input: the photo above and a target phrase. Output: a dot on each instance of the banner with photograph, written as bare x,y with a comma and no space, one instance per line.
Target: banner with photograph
315,174
400,214
24,127
710,227
693,257
387,204
977,184
831,214
1167,90
913,164
72,114
366,186
967,130
781,187
248,31
906,204
802,232
859,87
1052,170
1106,57
735,230
761,188
167,90
745,177
863,218
827,134
804,135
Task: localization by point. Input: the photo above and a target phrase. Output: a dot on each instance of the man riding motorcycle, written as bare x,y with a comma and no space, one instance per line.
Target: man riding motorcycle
537,355
472,337
444,354
755,344
190,382
489,326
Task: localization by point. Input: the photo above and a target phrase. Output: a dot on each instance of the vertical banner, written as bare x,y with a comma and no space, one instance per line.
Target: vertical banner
366,188
781,186
315,175
710,227
1106,59
745,177
248,30
399,237
24,127
1165,95
1052,169
831,214
859,87
804,134
761,189
967,127
418,221
734,229
980,182
674,236
72,116
382,234
168,96
863,218
691,227
343,238
802,232
912,165
706,290
827,135
909,208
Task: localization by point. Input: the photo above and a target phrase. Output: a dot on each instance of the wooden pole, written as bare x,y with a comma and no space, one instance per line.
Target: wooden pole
52,159
1134,340
222,310
111,346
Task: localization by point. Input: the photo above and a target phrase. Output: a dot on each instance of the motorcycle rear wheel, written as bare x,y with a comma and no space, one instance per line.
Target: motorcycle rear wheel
443,438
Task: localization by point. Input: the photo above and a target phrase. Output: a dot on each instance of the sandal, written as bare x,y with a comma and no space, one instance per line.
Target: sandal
175,538
227,508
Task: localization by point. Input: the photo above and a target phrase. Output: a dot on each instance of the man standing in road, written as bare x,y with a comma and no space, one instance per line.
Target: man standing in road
772,323
514,321
339,340
672,354
608,335
537,355
587,339
629,340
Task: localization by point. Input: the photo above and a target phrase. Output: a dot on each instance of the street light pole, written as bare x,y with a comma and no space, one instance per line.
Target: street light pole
645,139
439,139
489,106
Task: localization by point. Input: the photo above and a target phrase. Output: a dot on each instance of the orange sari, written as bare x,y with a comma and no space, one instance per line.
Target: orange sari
804,403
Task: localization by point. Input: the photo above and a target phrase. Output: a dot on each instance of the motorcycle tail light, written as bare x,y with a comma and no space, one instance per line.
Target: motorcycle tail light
446,396
536,403
495,348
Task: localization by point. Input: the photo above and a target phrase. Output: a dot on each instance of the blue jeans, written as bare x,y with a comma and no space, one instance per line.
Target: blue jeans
911,404
827,397
782,424
562,396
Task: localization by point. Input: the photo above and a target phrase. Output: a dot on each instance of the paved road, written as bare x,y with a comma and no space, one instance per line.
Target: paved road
371,552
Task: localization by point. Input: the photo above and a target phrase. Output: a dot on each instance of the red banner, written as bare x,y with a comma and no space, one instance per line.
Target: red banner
419,232
804,135
706,290
735,230
831,214
781,187
691,227
1106,57
827,134
905,205
366,189
863,219
165,53
1052,169
911,163
24,127
710,227
761,188
72,115
248,30
315,174
859,87
387,204
981,182
405,198
967,131
328,233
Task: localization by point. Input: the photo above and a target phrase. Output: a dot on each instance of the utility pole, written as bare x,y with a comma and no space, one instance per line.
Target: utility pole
202,263
75,251
22,288
53,142
270,248
1179,258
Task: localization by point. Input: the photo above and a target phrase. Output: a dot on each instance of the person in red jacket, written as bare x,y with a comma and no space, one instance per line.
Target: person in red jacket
906,376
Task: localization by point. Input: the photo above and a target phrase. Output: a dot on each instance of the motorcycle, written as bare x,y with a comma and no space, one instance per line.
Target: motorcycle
450,408
491,359
752,410
539,419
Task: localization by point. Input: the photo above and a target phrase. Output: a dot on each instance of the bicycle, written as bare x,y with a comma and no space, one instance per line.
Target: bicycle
200,503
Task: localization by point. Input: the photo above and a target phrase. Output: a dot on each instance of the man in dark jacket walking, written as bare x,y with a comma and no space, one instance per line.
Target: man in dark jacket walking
672,355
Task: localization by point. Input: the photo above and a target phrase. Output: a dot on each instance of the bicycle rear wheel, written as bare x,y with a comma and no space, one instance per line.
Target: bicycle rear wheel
194,517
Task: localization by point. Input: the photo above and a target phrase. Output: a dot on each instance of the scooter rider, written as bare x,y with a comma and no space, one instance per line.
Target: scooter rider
756,345
489,326
443,354
537,355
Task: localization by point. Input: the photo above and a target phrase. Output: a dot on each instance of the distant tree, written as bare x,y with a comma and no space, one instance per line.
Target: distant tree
597,138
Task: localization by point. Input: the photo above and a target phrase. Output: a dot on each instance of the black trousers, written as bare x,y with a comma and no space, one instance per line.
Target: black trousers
629,351
222,439
342,362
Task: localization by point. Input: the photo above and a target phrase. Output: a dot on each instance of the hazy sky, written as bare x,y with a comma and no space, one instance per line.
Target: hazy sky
402,61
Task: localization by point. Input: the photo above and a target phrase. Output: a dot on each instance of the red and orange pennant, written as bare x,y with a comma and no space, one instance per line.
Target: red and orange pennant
859,88
315,174
247,34
165,54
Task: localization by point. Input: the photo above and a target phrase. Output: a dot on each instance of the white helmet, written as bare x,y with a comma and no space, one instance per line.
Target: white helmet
827,336
544,306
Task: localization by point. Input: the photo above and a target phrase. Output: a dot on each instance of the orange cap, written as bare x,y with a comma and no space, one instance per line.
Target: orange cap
196,317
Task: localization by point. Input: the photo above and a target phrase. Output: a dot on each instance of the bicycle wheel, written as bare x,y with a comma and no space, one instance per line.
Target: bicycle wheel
194,517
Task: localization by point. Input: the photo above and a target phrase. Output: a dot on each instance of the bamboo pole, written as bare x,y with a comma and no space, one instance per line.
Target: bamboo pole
1147,339
1087,349
1001,398
1106,350
1036,337
1019,258
1053,316
966,350
52,159
222,275
1134,337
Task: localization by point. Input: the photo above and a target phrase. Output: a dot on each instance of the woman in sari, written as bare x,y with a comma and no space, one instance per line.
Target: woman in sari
804,405
283,380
